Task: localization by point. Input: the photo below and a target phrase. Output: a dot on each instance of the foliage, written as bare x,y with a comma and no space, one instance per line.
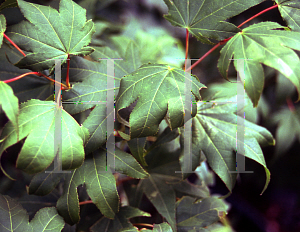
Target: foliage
87,192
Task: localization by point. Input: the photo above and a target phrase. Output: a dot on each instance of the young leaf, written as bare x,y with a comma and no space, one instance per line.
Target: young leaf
258,44
49,34
205,19
195,215
9,103
157,88
36,122
214,126
290,11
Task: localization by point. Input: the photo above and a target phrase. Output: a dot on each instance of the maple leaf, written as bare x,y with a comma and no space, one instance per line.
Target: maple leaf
216,125
258,44
158,88
290,11
13,217
49,34
206,18
38,151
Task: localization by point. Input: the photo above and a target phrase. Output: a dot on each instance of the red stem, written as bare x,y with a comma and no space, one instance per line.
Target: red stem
68,70
143,224
290,104
16,46
186,46
225,40
19,77
270,8
85,202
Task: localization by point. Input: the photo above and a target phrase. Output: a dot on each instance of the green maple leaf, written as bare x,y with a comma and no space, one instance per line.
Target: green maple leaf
36,122
214,131
290,11
14,218
49,34
258,44
206,18
158,89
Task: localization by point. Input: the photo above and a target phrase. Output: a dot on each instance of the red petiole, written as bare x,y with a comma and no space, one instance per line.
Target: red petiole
35,73
225,40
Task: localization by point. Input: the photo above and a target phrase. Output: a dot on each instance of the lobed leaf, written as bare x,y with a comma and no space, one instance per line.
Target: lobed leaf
260,43
214,126
158,89
38,150
49,34
290,12
205,19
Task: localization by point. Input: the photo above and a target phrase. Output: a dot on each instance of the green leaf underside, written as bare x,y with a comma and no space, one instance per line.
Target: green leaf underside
290,12
162,196
2,28
100,185
9,103
49,34
195,215
120,222
8,3
127,164
38,150
216,125
68,204
258,44
157,88
13,217
44,183
205,19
